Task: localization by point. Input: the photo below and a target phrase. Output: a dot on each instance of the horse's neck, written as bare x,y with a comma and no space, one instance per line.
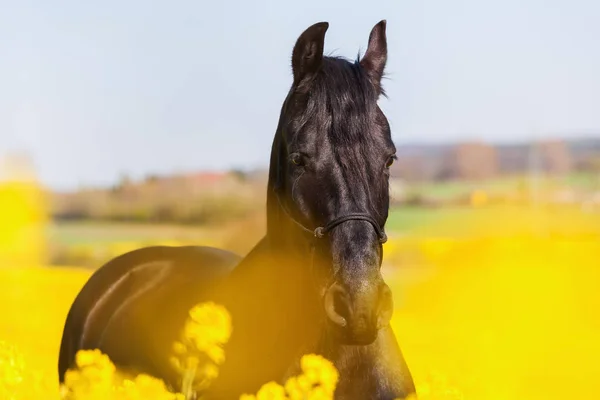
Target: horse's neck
323,344
344,357
276,270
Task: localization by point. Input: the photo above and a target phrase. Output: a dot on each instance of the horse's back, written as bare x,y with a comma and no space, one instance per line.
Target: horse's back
134,289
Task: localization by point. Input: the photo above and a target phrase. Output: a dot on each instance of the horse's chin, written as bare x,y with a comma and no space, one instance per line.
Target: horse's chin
363,337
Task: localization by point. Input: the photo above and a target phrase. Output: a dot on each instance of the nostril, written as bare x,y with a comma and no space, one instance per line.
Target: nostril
386,306
336,305
340,304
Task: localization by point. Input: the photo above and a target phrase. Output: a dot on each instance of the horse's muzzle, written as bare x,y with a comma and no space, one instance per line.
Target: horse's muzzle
357,316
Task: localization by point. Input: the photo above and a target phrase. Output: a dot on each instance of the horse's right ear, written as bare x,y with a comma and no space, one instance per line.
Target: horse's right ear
376,55
308,51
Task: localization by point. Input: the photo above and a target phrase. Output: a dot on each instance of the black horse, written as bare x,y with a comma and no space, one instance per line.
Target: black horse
312,285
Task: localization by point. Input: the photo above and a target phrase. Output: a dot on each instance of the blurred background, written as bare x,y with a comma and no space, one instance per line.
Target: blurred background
450,183
130,124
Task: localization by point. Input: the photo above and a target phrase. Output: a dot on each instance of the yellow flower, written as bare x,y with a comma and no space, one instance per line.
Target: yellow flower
17,380
12,365
295,387
96,377
211,321
319,393
199,351
179,348
318,370
205,331
478,198
317,382
146,387
271,391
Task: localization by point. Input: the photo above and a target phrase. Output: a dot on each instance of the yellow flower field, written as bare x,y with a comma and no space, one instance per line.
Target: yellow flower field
484,318
497,320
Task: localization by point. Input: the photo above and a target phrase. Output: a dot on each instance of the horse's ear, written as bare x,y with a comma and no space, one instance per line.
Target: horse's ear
376,55
308,51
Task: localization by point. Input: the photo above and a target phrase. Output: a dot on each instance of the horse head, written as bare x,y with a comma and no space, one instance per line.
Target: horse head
329,179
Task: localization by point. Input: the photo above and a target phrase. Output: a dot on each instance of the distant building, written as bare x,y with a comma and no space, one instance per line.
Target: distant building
551,156
555,157
425,162
472,161
411,168
419,163
513,158
585,154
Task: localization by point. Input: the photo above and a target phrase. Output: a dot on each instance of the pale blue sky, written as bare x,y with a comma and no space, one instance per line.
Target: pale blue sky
94,90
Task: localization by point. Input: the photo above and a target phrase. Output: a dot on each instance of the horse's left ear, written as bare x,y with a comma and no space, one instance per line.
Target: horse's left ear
376,55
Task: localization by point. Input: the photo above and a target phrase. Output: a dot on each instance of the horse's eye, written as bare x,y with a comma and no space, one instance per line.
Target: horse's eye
390,161
297,159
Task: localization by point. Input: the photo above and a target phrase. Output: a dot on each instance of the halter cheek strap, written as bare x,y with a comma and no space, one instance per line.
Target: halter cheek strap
321,231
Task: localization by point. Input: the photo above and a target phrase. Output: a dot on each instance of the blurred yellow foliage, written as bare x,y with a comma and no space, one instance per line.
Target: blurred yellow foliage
497,316
199,352
97,378
317,382
23,222
478,198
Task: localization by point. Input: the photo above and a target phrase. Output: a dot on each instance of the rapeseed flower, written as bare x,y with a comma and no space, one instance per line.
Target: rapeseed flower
199,352
317,382
196,357
96,378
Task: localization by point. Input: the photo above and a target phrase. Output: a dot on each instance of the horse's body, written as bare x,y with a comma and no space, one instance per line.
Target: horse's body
289,296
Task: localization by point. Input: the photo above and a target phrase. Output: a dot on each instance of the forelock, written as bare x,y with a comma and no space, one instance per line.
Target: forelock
340,96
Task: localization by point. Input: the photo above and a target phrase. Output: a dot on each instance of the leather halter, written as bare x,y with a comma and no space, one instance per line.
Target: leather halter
320,231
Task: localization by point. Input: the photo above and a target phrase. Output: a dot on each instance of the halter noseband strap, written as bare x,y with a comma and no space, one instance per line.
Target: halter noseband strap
321,231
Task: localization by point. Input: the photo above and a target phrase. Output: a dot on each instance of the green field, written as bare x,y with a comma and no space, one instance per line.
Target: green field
92,232
447,220
406,221
510,184
458,222
93,243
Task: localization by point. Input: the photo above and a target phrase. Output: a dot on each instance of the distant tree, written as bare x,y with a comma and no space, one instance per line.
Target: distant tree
595,167
239,174
151,178
556,157
124,182
473,161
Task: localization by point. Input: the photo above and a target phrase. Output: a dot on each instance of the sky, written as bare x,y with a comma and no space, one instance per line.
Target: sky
94,90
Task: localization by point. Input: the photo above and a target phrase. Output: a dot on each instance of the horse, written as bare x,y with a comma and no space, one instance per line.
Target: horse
312,283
